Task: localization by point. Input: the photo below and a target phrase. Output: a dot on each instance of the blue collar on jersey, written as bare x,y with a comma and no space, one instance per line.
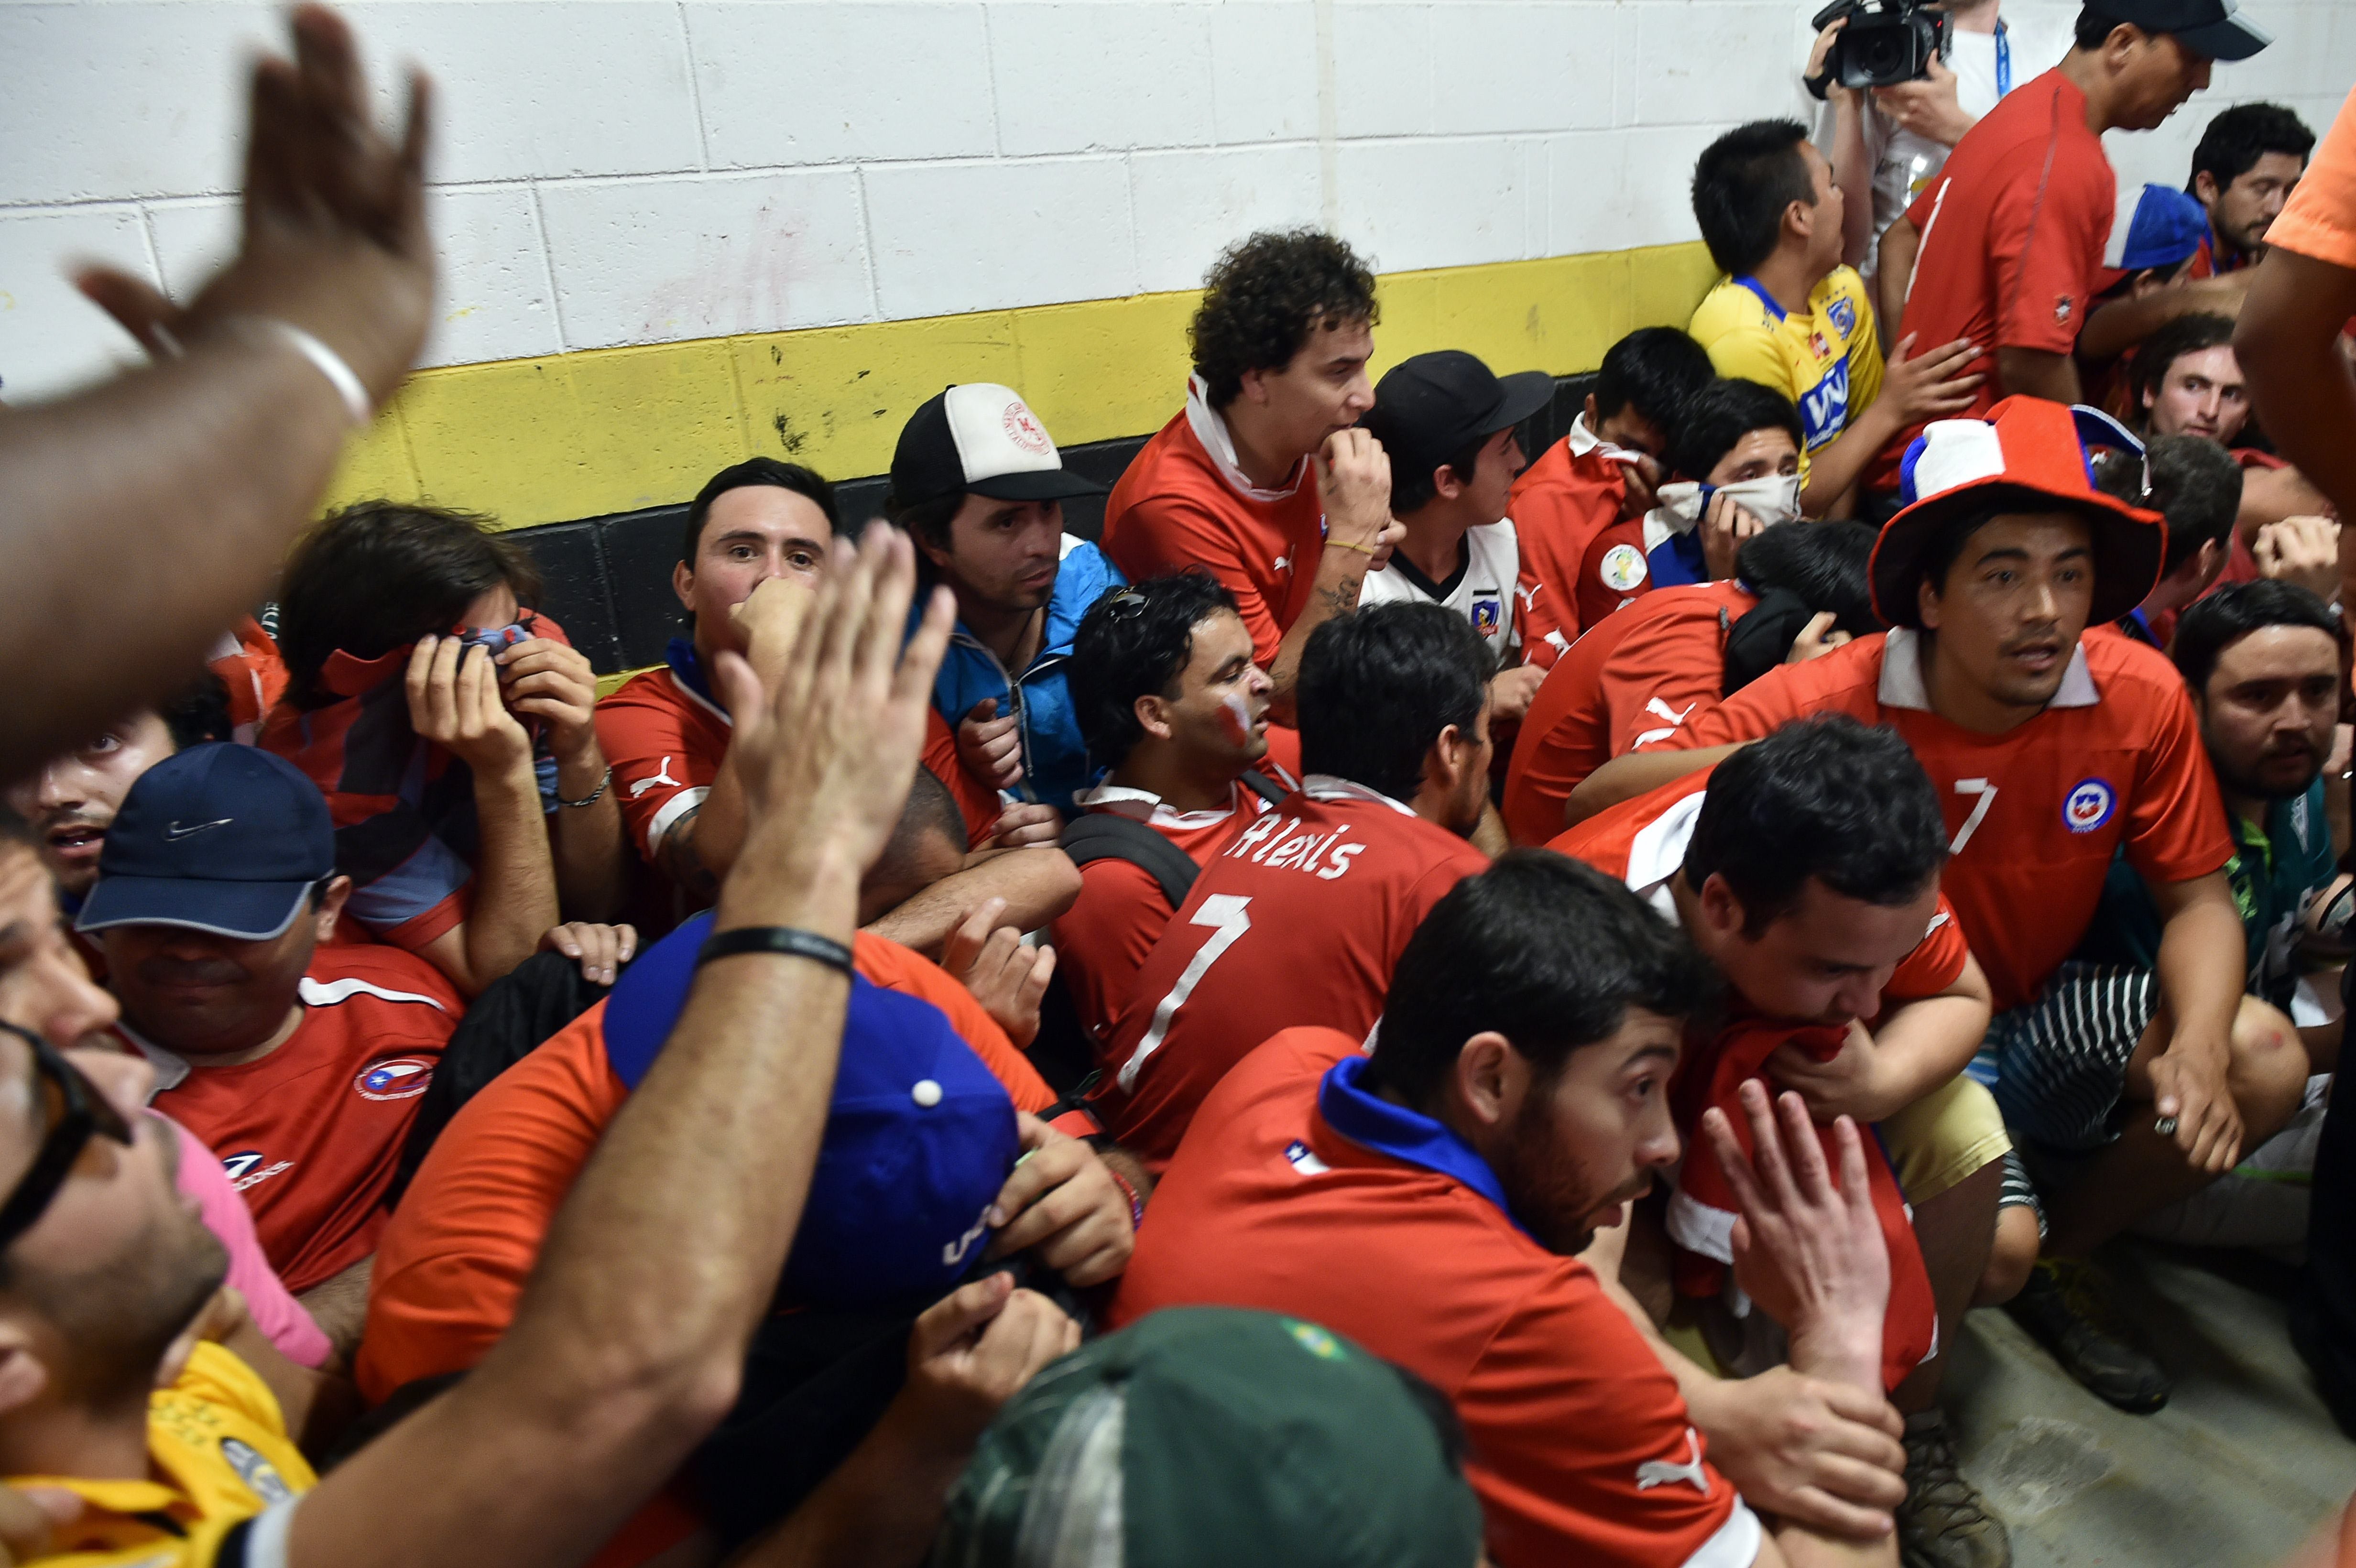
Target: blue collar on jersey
1756,287
681,657
1371,1122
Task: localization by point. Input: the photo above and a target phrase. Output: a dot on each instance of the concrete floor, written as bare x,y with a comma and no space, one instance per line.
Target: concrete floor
2240,1467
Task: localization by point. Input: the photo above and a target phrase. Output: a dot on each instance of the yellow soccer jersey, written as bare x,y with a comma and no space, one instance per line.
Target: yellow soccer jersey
1829,361
218,1446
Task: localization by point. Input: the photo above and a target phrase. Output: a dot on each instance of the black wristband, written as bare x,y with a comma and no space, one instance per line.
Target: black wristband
780,939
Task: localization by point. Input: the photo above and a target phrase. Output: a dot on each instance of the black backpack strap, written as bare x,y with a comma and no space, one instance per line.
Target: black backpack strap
1109,836
1260,784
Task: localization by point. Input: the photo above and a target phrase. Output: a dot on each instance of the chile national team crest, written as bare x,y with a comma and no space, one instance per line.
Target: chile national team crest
395,1078
2088,805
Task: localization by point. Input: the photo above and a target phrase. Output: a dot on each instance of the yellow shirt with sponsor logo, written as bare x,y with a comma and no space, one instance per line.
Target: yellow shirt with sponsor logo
220,1455
1828,360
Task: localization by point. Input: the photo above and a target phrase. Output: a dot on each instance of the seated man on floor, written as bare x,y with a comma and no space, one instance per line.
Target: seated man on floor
756,541
1736,458
72,800
1301,917
1674,651
1261,478
977,484
2188,382
1805,867
297,1061
1169,698
2052,751
2078,1073
2196,485
1431,1201
1447,424
413,658
1603,472
752,524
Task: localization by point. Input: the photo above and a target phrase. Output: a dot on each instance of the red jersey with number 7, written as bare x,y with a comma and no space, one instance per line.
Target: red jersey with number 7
1299,922
2034,814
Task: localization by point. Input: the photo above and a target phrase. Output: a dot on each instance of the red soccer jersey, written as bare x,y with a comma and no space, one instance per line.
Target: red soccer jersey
1631,674
1560,503
1615,572
665,742
1179,505
1103,939
1582,1448
2013,228
310,1133
1643,842
2115,762
1298,921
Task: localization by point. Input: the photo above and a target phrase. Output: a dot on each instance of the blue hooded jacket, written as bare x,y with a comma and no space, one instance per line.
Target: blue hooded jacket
1055,757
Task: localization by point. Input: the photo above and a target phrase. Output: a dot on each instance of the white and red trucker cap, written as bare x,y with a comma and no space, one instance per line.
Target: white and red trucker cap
981,438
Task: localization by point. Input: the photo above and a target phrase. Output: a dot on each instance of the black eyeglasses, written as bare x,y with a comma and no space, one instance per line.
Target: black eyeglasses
75,1110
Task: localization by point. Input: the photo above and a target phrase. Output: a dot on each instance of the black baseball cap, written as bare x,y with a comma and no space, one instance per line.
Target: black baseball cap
1430,407
983,437
221,837
2214,28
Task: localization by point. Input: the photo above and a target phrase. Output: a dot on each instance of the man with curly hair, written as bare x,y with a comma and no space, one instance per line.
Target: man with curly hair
1262,478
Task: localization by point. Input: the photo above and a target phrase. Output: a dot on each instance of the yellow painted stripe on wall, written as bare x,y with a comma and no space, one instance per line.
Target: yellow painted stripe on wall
610,430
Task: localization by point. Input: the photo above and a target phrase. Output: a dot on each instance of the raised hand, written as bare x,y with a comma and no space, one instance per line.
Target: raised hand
1005,976
988,747
826,757
334,222
1808,1251
454,701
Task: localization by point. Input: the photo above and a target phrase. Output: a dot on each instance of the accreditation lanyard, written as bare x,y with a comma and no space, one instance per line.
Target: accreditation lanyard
2003,58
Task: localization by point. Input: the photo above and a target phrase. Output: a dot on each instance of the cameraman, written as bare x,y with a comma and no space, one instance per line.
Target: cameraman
1901,133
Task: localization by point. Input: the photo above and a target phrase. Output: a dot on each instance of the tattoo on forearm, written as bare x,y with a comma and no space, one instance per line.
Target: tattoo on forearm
1341,597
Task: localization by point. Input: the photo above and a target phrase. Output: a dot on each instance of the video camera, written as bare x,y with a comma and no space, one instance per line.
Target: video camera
1885,43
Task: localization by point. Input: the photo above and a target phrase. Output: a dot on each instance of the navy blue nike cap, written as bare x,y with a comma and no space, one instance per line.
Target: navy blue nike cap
221,837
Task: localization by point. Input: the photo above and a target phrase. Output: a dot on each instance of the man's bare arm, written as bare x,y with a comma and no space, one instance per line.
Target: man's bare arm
2289,342
1354,477
1037,885
1632,773
1893,271
629,1342
188,478
340,1306
2033,373
2119,325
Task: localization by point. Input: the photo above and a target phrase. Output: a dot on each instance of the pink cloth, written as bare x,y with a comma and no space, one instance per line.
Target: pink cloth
280,1318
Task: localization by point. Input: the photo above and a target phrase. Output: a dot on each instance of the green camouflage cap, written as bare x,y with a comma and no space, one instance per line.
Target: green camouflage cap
1206,1436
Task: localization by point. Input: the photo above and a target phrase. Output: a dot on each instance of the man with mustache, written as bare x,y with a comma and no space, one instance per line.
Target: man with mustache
300,1064
2052,752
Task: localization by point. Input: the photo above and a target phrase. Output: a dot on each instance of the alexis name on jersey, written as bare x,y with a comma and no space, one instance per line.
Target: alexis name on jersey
1274,843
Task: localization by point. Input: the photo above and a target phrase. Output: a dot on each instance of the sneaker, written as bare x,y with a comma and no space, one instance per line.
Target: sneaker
1943,1523
2063,1311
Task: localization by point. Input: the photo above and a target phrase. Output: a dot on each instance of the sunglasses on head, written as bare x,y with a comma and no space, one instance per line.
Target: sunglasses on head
73,1111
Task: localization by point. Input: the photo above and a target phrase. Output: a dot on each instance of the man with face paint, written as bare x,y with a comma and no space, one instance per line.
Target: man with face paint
1168,696
1431,1201
1602,472
300,1064
2052,750
977,484
1736,452
1805,867
1299,919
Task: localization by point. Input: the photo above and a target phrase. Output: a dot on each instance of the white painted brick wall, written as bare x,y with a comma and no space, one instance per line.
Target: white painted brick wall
615,172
